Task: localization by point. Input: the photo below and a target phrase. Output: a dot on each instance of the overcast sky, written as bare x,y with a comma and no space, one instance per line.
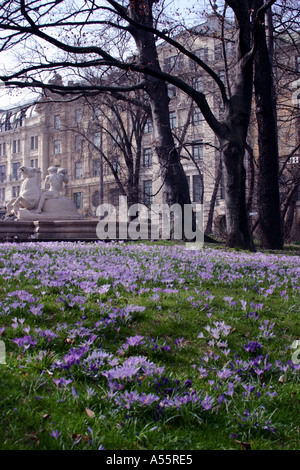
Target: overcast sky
188,9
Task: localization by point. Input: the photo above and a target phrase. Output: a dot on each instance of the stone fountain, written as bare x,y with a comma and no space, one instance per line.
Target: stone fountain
43,214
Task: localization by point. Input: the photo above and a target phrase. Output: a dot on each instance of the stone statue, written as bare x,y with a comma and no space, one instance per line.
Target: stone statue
33,203
30,191
54,181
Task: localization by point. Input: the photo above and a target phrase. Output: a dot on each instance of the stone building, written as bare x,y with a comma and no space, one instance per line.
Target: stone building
21,143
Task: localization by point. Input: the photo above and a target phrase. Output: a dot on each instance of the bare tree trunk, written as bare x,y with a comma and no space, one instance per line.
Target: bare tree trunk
251,177
288,211
270,229
208,229
237,222
289,220
175,184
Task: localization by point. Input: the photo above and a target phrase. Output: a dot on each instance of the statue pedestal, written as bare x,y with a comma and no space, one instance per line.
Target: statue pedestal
15,230
48,230
60,208
63,230
71,230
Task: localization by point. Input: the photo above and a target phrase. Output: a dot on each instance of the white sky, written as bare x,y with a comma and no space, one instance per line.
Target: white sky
187,8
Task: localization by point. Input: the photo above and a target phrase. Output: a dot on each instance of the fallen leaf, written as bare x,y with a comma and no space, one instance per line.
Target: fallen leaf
244,445
90,413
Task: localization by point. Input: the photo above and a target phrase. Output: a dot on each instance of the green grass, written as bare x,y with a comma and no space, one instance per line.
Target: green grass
84,412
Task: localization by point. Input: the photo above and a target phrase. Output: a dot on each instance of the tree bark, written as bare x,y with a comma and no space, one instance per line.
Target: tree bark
209,224
237,222
175,184
289,219
270,229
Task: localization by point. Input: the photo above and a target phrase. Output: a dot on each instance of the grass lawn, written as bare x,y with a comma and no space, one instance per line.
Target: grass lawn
134,346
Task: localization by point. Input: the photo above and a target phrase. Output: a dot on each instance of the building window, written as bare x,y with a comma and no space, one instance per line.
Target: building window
15,191
96,167
16,171
171,90
78,200
173,119
34,163
78,116
78,143
56,147
218,51
96,198
97,139
2,149
173,63
116,164
34,142
203,53
147,157
114,195
197,83
16,146
197,188
106,169
96,112
148,126
2,194
197,117
78,170
230,49
19,119
57,122
2,173
148,195
7,124
197,151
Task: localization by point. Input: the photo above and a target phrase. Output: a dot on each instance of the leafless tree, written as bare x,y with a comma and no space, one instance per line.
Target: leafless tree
24,20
